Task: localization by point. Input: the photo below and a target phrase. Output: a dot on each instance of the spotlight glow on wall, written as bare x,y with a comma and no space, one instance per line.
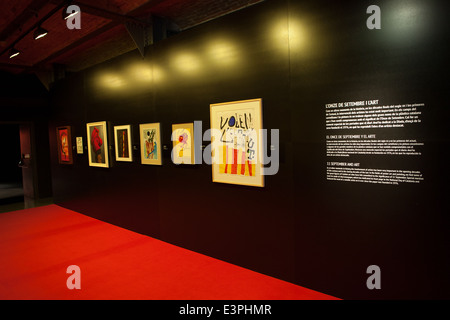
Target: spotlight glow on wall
408,22
158,73
186,62
140,73
223,52
292,35
112,81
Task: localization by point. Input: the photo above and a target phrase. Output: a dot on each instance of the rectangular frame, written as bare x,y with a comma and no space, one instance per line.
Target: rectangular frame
122,143
64,143
236,146
98,144
183,140
79,145
150,143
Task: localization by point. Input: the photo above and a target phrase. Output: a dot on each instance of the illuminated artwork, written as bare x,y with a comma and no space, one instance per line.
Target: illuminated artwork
122,139
183,143
236,142
97,136
150,135
64,143
79,145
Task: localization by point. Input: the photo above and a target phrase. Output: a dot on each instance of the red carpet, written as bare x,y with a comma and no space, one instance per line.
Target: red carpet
37,245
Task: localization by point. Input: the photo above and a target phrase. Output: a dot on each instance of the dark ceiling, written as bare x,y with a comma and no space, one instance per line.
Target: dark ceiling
103,34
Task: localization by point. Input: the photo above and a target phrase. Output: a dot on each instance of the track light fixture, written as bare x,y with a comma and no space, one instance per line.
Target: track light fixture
69,12
13,53
39,33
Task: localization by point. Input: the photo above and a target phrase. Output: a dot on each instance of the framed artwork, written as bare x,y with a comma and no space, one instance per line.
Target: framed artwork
122,140
150,135
97,139
79,145
183,151
236,145
64,142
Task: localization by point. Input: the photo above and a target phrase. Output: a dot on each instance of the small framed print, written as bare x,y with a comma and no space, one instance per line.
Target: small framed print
97,136
122,140
150,136
80,145
64,142
183,143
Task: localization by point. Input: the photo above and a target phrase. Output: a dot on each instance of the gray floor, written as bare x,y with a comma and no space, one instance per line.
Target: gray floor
12,199
10,190
26,204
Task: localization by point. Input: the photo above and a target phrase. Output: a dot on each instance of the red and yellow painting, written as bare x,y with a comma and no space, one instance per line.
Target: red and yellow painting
236,130
63,135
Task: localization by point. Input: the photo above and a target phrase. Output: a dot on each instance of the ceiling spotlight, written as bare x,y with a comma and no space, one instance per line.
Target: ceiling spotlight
13,53
39,33
69,12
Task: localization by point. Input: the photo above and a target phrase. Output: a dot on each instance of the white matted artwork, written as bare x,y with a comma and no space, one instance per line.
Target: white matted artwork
97,136
79,145
122,141
237,143
183,151
150,135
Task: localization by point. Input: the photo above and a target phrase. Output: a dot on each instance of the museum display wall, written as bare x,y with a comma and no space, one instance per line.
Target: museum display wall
363,144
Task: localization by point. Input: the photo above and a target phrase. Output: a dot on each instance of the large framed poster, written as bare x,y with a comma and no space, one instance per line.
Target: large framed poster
97,136
150,134
64,142
183,143
237,142
122,141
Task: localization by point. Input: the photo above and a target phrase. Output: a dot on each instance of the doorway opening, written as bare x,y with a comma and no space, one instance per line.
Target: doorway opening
24,177
11,180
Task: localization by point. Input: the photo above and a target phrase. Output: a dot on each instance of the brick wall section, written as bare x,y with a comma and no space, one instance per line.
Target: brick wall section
187,14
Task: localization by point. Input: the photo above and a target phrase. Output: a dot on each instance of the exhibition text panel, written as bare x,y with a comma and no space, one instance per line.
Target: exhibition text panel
365,139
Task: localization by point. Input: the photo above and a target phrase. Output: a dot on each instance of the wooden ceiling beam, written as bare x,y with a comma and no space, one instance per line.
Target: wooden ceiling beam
77,43
22,18
15,66
48,15
116,18
99,12
106,27
111,15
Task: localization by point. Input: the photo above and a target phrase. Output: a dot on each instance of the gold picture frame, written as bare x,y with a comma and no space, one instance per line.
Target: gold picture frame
97,140
150,137
64,142
122,143
236,142
183,151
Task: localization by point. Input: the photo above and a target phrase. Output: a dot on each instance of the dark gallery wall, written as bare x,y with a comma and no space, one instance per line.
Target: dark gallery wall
25,101
346,226
297,56
9,171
